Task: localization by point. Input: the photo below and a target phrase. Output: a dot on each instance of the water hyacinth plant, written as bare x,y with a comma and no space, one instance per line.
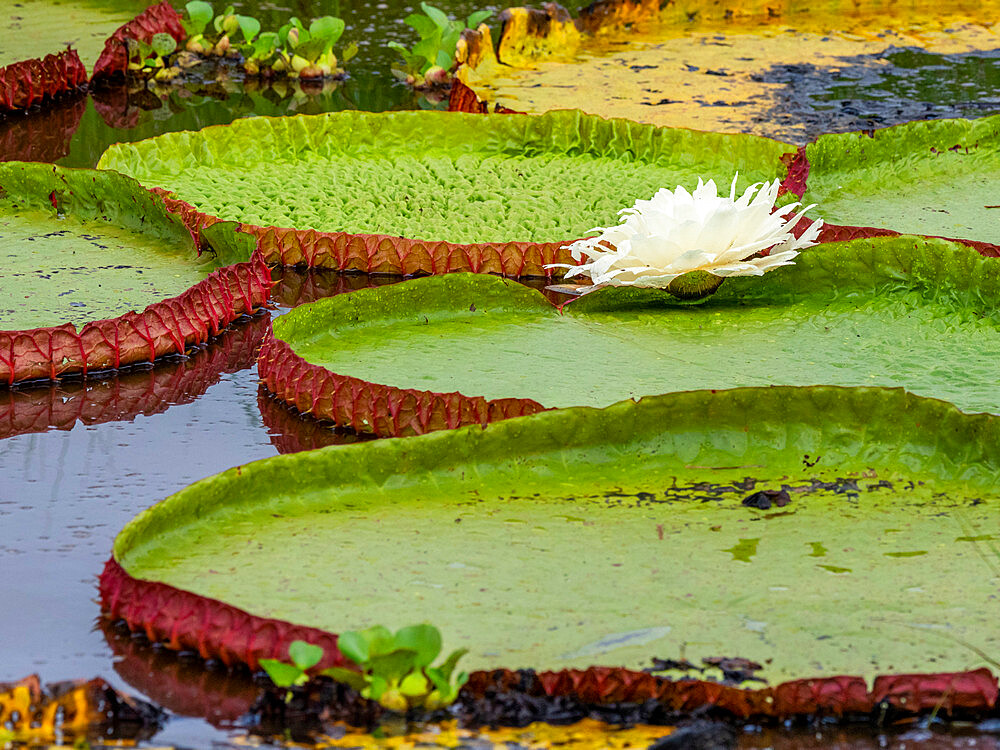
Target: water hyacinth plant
429,61
395,668
295,50
308,52
152,57
687,243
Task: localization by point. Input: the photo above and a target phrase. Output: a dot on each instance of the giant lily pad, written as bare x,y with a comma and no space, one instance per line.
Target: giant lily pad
495,194
582,536
84,249
889,311
34,28
937,178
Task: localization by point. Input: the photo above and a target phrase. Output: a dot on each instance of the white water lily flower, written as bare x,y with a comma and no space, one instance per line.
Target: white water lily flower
677,232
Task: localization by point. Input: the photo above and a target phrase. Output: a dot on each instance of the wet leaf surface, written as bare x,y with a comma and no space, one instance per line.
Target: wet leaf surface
80,246
872,312
486,549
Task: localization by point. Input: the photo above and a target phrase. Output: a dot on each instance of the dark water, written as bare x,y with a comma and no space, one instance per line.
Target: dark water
79,460
898,85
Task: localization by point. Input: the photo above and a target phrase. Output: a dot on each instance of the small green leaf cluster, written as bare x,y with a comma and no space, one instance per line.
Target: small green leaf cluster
295,50
150,57
211,34
427,63
308,52
304,656
395,668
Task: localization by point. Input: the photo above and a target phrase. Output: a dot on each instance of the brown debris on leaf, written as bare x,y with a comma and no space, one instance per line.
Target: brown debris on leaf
32,712
735,670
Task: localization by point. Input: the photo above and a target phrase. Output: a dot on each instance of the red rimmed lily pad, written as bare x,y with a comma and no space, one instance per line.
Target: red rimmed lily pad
35,64
429,192
938,178
124,396
439,352
83,250
614,536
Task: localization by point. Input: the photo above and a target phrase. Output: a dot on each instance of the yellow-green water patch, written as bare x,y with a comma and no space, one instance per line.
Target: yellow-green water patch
803,72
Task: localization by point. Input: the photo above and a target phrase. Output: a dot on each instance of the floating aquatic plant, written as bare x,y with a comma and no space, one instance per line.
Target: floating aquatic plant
307,52
429,61
688,243
395,668
296,49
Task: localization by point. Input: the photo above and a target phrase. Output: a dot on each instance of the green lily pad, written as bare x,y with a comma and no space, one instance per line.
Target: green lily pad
581,536
890,312
938,178
83,245
446,176
35,28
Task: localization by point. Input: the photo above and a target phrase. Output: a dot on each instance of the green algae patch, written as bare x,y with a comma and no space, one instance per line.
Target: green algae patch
889,312
620,534
935,178
82,245
435,175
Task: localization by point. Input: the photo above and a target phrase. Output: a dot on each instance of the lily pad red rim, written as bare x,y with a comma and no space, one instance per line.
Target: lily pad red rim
382,253
366,407
27,83
181,620
124,396
156,19
166,327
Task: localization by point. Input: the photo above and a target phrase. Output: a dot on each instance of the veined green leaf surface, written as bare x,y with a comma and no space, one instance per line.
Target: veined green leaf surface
80,245
938,178
905,311
438,175
581,536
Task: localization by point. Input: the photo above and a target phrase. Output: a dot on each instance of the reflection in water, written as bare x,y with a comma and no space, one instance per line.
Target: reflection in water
44,135
291,431
294,286
897,85
184,685
79,459
143,390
